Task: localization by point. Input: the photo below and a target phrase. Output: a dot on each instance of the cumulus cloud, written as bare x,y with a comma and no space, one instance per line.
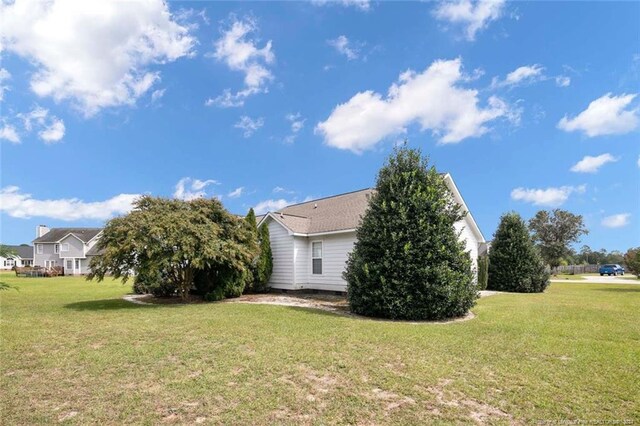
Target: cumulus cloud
271,205
607,115
551,197
474,16
527,74
189,189
363,5
345,47
4,76
616,220
95,54
9,133
434,99
51,129
21,205
297,124
236,192
249,125
592,164
240,53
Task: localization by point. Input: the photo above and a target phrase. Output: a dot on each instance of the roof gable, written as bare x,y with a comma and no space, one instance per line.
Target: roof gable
56,234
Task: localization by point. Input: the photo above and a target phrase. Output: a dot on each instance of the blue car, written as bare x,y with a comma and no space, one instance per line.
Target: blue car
611,269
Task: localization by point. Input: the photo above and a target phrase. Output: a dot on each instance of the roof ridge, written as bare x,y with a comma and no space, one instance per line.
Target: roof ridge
326,198
293,215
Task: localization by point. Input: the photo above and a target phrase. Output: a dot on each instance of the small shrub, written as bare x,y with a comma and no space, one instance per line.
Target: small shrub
514,262
153,282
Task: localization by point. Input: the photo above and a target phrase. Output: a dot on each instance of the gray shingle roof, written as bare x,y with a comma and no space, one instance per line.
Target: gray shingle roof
24,251
337,213
93,251
55,234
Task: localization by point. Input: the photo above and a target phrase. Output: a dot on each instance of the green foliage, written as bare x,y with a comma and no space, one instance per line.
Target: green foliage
514,261
483,271
632,261
153,282
5,251
264,267
175,239
220,283
408,262
554,231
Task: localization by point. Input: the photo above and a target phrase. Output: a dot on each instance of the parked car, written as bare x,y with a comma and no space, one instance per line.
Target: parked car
611,269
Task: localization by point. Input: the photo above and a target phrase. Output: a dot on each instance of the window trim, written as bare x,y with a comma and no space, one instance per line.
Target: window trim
321,257
39,249
62,247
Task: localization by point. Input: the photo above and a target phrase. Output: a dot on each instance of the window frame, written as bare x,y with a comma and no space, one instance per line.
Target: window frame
62,248
56,248
39,249
317,258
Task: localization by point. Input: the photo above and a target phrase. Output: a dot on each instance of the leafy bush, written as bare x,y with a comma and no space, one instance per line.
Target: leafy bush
514,262
153,282
264,266
632,261
408,262
217,284
483,271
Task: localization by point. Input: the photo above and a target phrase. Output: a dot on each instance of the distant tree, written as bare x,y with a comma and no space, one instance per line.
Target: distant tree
554,232
407,262
585,252
6,251
514,261
483,271
250,219
174,239
265,260
632,261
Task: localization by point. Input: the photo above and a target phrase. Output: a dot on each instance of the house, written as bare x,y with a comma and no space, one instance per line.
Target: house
23,257
310,241
71,248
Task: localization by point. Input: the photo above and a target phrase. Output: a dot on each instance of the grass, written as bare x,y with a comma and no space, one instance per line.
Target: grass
73,351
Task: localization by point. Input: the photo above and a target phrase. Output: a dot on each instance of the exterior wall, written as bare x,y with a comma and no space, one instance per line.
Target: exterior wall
472,243
47,254
282,252
301,256
76,247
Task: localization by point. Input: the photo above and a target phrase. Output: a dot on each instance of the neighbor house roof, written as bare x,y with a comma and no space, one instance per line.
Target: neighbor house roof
342,212
94,251
25,251
57,234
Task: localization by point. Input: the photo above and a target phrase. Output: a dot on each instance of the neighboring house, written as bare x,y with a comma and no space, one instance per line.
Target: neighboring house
311,241
23,257
71,248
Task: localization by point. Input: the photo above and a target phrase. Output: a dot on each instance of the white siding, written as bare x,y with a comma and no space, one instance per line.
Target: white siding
301,253
469,238
76,247
282,252
335,250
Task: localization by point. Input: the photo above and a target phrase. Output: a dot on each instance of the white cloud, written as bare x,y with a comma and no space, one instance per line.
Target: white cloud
563,81
639,161
523,75
240,53
546,197
616,220
591,164
363,5
604,116
271,205
236,192
368,117
344,47
278,189
190,189
9,133
18,204
95,54
50,128
156,95
297,124
473,15
248,125
4,76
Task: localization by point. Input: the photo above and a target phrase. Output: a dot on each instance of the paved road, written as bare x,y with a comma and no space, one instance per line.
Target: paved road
626,279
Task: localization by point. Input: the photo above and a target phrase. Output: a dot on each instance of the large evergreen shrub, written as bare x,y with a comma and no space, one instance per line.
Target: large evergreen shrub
264,266
408,262
514,262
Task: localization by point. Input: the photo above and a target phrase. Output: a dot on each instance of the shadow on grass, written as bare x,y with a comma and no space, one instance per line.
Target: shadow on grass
621,290
106,305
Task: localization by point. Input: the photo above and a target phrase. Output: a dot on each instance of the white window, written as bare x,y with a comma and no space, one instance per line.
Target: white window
78,264
39,248
316,258
64,247
49,263
56,248
9,262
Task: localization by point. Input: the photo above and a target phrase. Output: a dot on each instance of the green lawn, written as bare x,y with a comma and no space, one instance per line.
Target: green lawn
74,351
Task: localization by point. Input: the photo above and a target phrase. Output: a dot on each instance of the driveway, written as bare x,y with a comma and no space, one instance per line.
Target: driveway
592,279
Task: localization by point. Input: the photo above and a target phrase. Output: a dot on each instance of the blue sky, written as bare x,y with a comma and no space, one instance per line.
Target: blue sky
528,105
